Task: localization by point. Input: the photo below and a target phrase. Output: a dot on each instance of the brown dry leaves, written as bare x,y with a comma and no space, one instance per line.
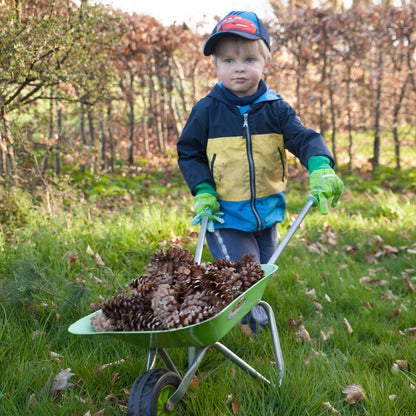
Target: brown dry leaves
375,279
354,393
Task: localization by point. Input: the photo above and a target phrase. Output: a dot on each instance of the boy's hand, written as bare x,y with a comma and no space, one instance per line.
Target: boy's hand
206,205
325,184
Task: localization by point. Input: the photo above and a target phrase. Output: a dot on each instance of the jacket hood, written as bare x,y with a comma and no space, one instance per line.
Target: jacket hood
264,93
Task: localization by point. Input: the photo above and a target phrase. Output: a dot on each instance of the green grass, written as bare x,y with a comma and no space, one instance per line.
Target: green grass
42,292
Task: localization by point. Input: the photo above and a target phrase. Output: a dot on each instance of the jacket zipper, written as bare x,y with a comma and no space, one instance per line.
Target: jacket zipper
249,150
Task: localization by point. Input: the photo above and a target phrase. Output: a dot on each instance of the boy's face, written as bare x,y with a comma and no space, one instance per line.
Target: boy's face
240,65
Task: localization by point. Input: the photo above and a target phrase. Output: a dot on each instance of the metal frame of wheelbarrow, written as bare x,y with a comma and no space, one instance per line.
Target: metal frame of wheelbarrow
157,341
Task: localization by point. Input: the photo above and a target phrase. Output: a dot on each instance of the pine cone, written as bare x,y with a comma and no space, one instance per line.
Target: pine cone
164,302
176,292
100,323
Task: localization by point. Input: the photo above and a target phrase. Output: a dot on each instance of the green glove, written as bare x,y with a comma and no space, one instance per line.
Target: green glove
206,205
325,184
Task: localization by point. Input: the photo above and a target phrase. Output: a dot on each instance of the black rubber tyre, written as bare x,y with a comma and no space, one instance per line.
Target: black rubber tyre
150,392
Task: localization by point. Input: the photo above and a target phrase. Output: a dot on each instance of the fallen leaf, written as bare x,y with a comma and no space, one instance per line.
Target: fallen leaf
331,408
56,356
350,249
311,293
294,324
236,407
391,249
373,282
410,330
347,324
89,250
392,397
111,398
99,260
303,335
98,281
395,313
354,393
32,399
316,354
314,249
409,285
326,336
395,368
403,364
317,305
114,379
71,258
104,366
195,382
60,381
246,330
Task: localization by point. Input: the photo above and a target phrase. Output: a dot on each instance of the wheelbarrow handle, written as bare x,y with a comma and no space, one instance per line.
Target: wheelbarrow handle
201,239
311,201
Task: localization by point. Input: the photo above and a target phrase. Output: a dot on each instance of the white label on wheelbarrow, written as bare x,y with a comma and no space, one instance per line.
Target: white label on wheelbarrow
237,308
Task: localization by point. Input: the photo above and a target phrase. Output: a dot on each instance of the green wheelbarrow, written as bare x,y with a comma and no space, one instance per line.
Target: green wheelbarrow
158,391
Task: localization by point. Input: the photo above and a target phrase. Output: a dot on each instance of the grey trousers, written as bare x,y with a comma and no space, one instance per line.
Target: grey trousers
226,243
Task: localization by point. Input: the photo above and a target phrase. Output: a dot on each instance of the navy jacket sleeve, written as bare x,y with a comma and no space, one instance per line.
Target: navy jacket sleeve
299,140
191,147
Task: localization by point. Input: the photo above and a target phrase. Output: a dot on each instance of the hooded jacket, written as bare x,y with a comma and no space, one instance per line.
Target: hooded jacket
239,149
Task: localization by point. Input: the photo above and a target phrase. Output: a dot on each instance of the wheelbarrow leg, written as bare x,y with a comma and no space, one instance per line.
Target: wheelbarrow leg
151,358
191,355
275,338
168,361
241,363
186,380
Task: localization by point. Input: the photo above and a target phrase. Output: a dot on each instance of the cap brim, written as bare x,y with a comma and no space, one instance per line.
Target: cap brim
212,41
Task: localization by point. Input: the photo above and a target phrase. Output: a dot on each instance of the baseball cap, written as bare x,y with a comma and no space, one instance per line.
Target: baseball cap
245,24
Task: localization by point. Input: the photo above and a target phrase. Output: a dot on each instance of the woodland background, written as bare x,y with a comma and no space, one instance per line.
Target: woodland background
85,88
92,101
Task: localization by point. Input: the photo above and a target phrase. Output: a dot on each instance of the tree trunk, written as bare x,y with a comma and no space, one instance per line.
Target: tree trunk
322,123
145,116
91,131
103,142
396,111
333,117
8,157
57,151
180,86
51,130
349,118
111,139
157,109
82,133
377,141
131,113
165,110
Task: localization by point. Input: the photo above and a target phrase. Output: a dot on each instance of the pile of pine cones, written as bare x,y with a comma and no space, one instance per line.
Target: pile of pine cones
177,292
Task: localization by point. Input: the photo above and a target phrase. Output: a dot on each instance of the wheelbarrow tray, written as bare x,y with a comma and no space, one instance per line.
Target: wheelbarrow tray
201,334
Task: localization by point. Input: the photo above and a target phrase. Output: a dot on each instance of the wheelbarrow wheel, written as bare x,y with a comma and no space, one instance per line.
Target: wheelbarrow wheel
151,391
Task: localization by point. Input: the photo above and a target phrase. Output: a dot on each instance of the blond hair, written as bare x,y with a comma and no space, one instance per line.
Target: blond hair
243,42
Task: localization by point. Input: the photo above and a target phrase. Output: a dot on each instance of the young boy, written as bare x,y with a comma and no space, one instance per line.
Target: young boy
232,149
